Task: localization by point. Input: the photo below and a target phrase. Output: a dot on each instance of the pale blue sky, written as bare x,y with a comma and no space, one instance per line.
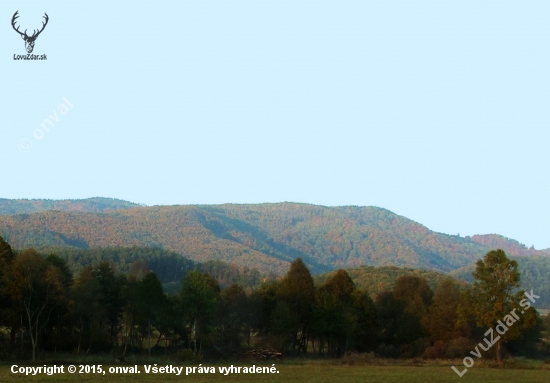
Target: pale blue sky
435,110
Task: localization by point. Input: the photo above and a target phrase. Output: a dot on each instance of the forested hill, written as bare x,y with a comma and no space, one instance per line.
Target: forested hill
510,246
26,206
264,236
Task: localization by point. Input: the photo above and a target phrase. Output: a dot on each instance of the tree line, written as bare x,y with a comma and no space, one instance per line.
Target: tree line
45,309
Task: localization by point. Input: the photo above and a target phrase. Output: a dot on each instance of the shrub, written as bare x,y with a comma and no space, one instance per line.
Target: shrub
459,348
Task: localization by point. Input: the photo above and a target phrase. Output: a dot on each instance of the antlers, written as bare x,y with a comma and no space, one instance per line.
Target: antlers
35,33
13,24
43,26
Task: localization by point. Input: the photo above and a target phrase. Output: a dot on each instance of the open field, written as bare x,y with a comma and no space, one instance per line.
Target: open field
310,372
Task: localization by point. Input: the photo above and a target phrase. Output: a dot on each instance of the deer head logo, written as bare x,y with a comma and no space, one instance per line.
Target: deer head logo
29,40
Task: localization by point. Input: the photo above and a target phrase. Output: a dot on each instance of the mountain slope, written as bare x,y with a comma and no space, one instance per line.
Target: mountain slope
510,246
263,236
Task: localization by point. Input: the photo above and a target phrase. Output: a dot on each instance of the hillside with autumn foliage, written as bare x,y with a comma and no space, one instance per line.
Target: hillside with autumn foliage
510,246
266,237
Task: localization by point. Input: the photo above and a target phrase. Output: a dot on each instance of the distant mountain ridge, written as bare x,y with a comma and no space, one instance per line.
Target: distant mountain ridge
29,206
262,236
